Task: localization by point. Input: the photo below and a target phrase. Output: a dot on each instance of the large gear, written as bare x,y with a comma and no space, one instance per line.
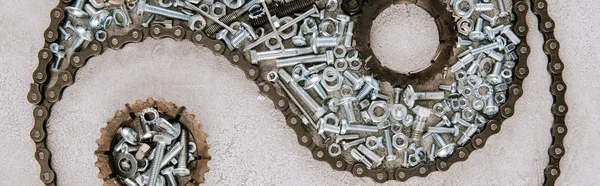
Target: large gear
131,113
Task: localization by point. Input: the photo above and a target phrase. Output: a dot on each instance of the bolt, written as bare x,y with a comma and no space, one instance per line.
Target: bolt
507,31
307,99
83,34
230,17
376,159
484,48
360,157
356,82
129,135
445,148
238,40
347,104
388,144
477,35
482,7
463,42
324,127
323,42
432,153
494,77
76,10
293,61
168,172
148,21
99,18
496,55
357,128
299,39
490,19
143,7
462,62
341,137
421,119
467,135
275,54
66,35
456,118
314,83
444,130
503,12
347,145
266,9
162,141
370,85
491,32
222,35
349,35
344,19
57,50
405,162
475,66
129,182
410,96
174,151
490,108
171,129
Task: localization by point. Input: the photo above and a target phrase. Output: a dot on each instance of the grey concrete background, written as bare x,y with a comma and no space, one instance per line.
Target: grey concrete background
251,143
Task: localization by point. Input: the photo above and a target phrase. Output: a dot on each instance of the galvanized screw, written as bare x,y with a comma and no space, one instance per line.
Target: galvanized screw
162,141
347,104
445,148
360,157
444,130
317,110
376,159
314,83
370,85
349,35
477,35
388,144
358,128
168,172
293,61
347,145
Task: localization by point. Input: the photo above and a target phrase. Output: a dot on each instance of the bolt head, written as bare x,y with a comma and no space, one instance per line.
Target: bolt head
75,12
162,138
129,135
167,170
359,83
342,18
409,96
99,19
476,36
332,104
446,151
180,172
372,82
299,41
83,32
455,117
343,129
456,131
312,81
330,57
391,157
222,34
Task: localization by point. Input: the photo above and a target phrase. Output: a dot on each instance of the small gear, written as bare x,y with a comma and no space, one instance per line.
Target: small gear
129,116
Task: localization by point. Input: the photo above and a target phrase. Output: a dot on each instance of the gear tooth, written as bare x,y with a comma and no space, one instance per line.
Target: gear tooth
151,101
112,182
201,169
102,164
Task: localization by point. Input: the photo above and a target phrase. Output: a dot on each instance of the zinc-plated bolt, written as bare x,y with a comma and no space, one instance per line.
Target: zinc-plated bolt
484,48
322,42
360,157
477,35
347,104
462,63
463,42
507,31
353,78
238,40
129,182
148,21
347,145
349,35
66,35
375,95
358,128
162,141
83,34
397,94
293,61
99,18
421,119
317,109
490,19
58,51
324,127
456,118
76,10
370,85
490,107
405,160
275,54
341,137
168,172
344,19
388,144
314,83
410,96
496,55
503,12
494,77
445,148
143,7
376,159
444,130
222,35
467,135
174,151
492,31
432,153
482,7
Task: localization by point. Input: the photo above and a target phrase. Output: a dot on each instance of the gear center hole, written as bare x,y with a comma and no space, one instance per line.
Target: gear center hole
404,38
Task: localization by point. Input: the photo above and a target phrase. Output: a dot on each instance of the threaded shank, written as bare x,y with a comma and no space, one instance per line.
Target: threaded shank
283,9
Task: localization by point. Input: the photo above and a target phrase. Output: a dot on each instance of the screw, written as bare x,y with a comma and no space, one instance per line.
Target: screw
66,35
410,96
511,35
496,55
344,19
467,135
463,42
370,85
238,40
388,145
146,23
314,83
503,12
347,104
490,108
83,34
129,182
322,42
444,122
269,18
340,137
477,35
168,172
222,35
230,17
353,78
360,157
432,153
76,10
445,148
57,50
494,77
99,18
376,159
309,101
462,62
484,48
357,128
457,119
162,141
144,7
299,39
482,7
405,162
349,35
421,119
182,169
293,61
324,127
174,151
347,145
444,130
275,54
492,31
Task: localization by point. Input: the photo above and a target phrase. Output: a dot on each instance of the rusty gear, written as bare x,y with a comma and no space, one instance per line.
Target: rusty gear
131,114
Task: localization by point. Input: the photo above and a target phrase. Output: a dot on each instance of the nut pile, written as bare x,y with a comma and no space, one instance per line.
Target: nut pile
159,156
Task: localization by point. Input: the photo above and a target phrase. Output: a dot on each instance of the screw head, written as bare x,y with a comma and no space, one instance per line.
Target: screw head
83,32
180,172
312,81
447,150
409,96
129,135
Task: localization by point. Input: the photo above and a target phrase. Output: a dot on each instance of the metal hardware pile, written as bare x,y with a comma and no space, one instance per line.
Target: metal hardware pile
319,68
162,151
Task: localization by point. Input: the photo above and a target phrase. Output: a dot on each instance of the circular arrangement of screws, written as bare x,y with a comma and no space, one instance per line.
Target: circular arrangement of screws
344,105
152,143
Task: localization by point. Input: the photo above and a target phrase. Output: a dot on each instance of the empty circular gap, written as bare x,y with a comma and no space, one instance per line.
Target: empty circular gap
404,38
